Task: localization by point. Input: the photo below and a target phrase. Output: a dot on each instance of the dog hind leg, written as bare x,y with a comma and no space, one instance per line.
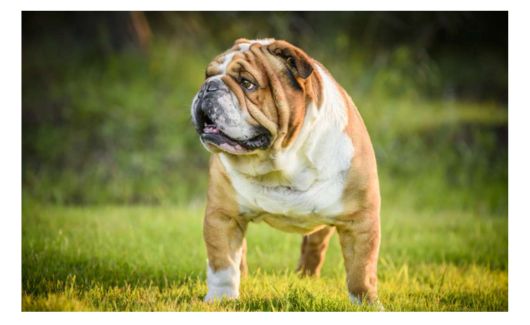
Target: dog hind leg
313,251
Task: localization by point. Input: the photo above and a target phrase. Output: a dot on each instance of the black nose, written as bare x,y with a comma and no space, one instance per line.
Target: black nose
213,85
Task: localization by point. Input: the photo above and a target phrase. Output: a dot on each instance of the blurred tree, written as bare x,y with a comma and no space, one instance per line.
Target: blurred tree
106,95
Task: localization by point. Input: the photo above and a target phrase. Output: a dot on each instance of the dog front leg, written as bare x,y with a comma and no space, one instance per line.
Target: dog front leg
360,240
224,237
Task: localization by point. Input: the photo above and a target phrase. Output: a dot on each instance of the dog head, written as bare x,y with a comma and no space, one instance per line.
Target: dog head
254,97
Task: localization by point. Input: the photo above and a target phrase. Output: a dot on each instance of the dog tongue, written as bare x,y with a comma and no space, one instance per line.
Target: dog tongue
210,128
235,149
226,144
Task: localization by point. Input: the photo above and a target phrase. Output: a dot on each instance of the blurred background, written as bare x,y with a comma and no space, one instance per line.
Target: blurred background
106,99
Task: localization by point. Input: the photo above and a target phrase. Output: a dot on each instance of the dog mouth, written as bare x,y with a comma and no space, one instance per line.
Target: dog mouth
210,133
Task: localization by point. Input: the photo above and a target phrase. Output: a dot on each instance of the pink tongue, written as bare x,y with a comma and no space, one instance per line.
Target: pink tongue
210,129
232,148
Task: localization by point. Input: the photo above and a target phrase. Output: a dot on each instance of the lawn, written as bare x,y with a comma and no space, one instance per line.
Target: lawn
114,176
116,258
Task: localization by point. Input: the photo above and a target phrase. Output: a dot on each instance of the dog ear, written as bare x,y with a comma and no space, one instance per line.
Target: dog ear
295,59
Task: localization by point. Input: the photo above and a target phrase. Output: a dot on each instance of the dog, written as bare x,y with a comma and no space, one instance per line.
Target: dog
289,148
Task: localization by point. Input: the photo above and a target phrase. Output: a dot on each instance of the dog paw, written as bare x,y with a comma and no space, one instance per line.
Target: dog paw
221,293
376,305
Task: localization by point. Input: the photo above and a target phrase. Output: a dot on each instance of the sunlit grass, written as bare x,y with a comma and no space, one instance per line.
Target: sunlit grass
143,258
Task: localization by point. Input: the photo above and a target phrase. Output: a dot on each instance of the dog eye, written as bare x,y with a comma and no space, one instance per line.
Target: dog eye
247,85
290,61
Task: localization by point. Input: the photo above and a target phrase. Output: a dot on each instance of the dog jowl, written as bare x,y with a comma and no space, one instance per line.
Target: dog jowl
288,147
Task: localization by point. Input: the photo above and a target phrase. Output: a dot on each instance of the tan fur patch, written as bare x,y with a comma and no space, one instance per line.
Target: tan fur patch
280,101
359,228
313,251
223,228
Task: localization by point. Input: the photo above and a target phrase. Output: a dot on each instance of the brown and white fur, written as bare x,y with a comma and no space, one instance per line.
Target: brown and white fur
289,148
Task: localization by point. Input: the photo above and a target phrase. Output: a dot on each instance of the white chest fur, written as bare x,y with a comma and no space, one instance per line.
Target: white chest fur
302,187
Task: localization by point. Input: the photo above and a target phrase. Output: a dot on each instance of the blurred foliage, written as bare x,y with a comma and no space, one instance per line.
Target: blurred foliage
106,120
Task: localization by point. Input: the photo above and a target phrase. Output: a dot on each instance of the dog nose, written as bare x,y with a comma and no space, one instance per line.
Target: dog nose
213,85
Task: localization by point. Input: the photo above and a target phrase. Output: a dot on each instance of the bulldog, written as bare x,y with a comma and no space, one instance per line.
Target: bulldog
289,148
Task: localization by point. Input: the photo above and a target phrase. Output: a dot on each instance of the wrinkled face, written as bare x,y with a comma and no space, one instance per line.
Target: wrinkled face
254,97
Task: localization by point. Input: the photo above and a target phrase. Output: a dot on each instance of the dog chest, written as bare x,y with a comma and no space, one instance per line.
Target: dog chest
287,208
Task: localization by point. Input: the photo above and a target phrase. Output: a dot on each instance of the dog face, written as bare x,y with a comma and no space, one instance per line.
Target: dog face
254,97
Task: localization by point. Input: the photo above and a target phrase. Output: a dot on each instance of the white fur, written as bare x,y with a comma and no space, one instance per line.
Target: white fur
232,120
377,305
224,283
354,299
227,59
305,182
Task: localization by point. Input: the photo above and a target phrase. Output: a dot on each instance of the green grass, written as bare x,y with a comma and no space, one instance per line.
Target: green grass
153,258
111,161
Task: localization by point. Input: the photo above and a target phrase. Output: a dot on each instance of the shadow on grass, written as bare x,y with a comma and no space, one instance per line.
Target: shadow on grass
52,272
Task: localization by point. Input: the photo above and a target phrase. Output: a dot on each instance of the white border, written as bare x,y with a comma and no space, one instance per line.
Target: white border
519,162
11,161
276,5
